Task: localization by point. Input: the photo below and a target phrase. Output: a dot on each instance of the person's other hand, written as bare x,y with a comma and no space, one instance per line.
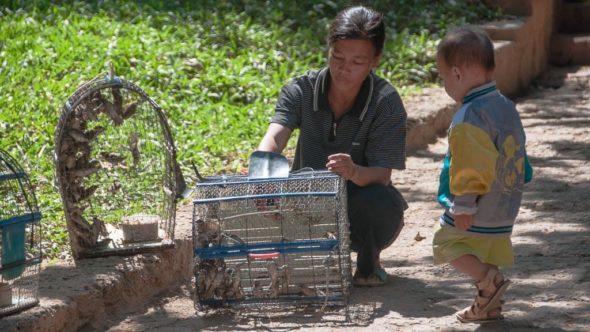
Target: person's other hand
463,221
342,164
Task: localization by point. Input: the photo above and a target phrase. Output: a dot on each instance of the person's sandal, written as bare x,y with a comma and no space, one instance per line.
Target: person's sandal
479,311
377,278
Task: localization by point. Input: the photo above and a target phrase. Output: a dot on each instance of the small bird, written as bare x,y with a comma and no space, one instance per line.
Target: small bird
130,110
202,241
91,114
257,290
208,232
273,273
113,113
70,162
231,240
115,187
66,144
85,193
285,279
167,191
330,235
78,136
83,172
112,158
329,261
115,109
237,282
307,291
133,147
75,122
200,282
419,237
93,133
215,281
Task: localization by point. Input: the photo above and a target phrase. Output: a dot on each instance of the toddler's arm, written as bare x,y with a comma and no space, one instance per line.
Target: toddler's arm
472,170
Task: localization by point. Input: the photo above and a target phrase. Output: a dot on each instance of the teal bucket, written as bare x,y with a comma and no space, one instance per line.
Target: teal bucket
13,250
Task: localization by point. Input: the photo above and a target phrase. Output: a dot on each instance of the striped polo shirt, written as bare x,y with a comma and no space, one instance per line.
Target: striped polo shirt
373,131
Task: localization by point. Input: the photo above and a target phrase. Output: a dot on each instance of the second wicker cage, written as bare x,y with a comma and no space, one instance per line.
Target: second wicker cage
271,241
116,170
20,238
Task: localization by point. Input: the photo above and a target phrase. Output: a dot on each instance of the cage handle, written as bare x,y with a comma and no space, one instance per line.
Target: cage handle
270,255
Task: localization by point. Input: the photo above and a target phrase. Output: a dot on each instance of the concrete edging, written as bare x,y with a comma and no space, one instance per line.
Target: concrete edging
82,294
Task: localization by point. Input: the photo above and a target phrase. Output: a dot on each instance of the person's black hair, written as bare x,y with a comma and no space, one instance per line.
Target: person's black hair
358,23
467,45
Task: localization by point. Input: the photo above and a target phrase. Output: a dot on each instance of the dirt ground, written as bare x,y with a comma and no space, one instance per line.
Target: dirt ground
551,289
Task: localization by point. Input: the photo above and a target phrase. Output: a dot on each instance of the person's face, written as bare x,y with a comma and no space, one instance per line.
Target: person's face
451,77
350,61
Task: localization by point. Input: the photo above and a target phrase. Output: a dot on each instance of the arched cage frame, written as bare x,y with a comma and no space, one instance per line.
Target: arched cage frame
91,239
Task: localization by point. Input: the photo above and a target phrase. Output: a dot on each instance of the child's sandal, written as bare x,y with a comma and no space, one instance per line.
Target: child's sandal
479,311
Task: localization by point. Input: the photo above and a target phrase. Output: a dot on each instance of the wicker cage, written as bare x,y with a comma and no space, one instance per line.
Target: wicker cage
20,238
271,241
116,170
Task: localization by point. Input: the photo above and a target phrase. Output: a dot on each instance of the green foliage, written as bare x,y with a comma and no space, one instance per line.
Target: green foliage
214,66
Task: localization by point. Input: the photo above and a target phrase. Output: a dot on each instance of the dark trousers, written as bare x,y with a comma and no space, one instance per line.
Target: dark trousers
376,217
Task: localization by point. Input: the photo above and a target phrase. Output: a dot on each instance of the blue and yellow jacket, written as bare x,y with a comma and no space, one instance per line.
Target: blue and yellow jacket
486,165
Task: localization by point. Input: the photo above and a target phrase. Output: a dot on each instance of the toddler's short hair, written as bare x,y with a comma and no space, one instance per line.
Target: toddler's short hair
467,45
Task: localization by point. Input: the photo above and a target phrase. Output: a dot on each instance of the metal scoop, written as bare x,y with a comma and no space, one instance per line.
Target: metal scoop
264,165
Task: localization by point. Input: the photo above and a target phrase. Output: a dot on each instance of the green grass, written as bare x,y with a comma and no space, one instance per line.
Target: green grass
215,67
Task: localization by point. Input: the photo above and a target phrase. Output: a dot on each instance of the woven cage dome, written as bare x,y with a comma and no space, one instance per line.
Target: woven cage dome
116,170
20,238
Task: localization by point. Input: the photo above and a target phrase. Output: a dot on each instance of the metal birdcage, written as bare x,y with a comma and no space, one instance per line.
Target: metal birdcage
20,238
116,170
274,241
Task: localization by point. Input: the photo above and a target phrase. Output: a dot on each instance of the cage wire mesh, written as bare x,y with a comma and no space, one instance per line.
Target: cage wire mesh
272,242
20,246
116,170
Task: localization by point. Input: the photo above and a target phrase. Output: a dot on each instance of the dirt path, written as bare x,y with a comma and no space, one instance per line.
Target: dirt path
551,277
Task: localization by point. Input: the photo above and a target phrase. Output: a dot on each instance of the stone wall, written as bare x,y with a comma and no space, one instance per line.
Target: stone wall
523,53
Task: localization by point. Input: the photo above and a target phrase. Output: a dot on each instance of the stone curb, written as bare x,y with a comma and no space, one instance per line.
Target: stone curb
429,117
82,295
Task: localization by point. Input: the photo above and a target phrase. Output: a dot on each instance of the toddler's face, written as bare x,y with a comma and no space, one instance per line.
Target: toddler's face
451,78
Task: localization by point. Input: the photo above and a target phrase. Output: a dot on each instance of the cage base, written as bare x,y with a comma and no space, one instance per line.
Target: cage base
126,249
5,295
17,307
281,302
